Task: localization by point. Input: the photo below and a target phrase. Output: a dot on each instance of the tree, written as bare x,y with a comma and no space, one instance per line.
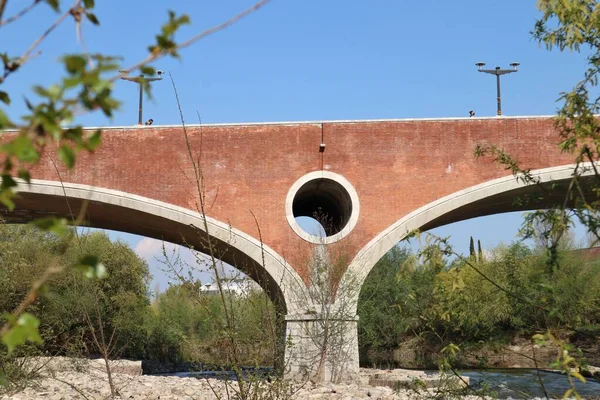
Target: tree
79,316
382,318
568,25
47,127
122,295
472,248
120,300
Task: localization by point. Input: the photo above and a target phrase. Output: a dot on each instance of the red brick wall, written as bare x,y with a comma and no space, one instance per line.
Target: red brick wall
395,167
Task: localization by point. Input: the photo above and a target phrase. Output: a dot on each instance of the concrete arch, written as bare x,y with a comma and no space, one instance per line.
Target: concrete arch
492,197
116,210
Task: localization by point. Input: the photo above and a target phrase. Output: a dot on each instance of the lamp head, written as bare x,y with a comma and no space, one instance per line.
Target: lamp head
479,64
514,65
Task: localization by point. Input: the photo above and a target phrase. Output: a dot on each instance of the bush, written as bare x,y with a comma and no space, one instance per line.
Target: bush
121,298
514,293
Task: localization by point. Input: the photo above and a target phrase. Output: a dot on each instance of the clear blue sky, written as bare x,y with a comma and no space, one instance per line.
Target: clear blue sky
319,60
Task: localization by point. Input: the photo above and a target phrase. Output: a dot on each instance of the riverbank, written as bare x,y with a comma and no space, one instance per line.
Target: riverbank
61,378
92,384
519,352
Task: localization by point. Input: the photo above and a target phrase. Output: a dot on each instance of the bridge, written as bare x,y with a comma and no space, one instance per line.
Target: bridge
373,180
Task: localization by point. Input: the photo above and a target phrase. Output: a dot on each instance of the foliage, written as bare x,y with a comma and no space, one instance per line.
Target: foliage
49,128
183,324
80,316
567,25
186,325
25,250
455,303
86,87
121,296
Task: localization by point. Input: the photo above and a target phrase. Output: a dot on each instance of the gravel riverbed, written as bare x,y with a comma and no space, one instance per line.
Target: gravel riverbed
92,384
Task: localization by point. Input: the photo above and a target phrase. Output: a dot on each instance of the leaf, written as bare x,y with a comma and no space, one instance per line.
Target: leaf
451,349
66,155
53,92
94,140
53,224
4,97
88,3
92,18
54,4
91,267
578,376
74,63
22,148
6,196
146,70
7,182
5,122
24,174
457,283
25,329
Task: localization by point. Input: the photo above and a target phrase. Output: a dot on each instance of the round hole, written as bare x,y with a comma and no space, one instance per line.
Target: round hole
311,226
322,207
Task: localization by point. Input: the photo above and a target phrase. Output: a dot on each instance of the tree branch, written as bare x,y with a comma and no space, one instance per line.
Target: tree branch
200,36
2,6
44,35
20,13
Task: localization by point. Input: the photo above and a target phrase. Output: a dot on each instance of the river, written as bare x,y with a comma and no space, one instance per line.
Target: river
503,383
524,383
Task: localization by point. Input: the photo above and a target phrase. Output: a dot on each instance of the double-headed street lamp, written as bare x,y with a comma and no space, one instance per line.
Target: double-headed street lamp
497,71
140,80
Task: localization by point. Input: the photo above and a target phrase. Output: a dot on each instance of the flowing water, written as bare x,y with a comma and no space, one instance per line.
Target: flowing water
525,384
503,383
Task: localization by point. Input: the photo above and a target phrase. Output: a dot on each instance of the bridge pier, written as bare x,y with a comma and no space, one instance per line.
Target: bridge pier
321,347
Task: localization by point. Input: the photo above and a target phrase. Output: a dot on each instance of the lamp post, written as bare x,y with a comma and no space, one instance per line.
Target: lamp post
140,80
497,71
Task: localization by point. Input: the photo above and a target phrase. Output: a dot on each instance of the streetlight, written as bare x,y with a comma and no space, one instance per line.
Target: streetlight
140,80
497,71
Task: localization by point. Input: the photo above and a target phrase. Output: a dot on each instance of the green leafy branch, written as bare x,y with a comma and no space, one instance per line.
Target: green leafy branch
87,87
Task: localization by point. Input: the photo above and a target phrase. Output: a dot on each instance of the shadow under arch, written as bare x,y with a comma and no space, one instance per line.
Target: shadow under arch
492,197
121,211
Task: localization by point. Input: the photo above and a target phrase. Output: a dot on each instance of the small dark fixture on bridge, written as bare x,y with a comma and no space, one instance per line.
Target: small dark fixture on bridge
141,80
497,71
149,122
321,147
471,113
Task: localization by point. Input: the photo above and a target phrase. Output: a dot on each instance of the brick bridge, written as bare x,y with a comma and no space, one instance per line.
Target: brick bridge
375,181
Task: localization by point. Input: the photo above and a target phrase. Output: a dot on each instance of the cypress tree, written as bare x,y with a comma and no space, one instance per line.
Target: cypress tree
472,249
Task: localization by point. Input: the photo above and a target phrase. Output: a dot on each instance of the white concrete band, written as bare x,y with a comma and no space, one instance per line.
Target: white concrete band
290,283
367,257
289,203
319,122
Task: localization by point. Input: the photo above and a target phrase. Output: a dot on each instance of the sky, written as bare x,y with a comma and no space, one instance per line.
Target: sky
314,60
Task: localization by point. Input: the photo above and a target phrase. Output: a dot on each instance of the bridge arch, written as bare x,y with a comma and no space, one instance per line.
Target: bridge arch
121,211
492,197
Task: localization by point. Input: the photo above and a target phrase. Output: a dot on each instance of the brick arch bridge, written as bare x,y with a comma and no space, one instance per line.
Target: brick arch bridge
375,180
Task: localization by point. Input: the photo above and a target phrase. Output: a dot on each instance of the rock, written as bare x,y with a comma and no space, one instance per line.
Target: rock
94,385
591,371
57,364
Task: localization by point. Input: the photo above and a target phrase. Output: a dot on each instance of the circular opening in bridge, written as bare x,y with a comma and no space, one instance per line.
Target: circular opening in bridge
311,225
322,207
